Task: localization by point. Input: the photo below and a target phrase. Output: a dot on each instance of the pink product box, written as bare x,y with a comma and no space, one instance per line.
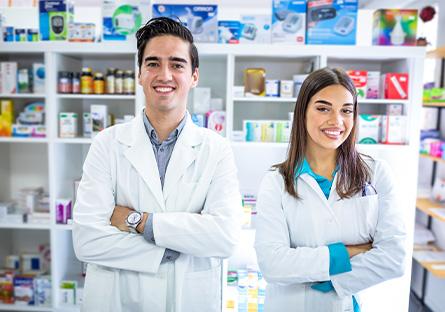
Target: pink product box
63,211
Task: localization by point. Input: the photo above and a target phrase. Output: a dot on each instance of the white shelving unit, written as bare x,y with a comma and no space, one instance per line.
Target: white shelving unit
56,162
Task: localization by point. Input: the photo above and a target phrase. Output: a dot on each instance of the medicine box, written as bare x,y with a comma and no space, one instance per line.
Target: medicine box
255,28
331,22
201,20
201,100
229,31
38,77
395,85
360,79
369,127
99,118
393,129
289,21
286,88
54,18
121,18
24,289
394,27
67,125
8,77
373,85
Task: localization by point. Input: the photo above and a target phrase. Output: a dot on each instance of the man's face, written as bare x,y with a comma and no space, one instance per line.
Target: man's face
166,74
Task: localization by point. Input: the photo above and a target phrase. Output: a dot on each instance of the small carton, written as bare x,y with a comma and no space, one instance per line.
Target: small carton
8,77
393,129
369,127
360,79
229,32
394,27
255,29
395,85
99,118
289,21
373,85
54,18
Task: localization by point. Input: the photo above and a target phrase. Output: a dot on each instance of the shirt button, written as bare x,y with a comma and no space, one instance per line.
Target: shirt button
162,149
169,258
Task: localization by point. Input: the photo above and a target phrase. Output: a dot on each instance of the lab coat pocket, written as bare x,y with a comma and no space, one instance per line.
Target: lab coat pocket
202,290
99,284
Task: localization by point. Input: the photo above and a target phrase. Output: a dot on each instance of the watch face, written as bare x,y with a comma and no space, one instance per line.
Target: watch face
134,218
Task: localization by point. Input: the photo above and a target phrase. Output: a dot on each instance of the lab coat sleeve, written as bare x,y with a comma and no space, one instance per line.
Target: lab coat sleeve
278,261
386,259
215,231
94,239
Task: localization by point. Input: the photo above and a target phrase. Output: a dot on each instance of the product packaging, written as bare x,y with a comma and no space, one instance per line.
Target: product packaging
255,29
286,88
369,129
63,211
229,32
6,117
201,20
373,85
272,87
24,289
54,18
82,32
360,79
99,118
67,125
289,21
331,22
394,27
393,129
38,78
122,18
8,77
216,121
254,81
395,85
201,100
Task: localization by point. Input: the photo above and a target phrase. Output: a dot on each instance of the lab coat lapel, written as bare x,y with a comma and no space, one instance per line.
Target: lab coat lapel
314,186
184,154
141,156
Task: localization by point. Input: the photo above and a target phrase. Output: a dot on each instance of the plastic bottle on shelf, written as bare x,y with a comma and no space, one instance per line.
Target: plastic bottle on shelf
110,81
99,83
76,83
119,82
128,82
86,81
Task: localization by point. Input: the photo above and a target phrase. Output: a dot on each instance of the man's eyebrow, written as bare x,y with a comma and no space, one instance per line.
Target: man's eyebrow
172,58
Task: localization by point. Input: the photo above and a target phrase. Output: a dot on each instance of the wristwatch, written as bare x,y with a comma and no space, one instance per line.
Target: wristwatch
133,220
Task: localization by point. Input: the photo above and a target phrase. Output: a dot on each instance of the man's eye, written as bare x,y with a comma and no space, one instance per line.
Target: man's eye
178,66
152,64
348,111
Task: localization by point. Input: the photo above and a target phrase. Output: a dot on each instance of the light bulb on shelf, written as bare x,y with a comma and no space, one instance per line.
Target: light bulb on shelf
397,34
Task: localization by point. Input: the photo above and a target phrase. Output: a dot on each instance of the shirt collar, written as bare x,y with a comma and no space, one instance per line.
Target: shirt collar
305,168
151,132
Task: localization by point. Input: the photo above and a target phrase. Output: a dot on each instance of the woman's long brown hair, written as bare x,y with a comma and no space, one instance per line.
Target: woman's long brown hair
354,171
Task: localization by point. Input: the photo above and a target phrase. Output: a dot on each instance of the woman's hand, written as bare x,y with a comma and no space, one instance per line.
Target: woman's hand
354,250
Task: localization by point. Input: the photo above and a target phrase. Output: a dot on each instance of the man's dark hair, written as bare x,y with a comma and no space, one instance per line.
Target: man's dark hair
164,26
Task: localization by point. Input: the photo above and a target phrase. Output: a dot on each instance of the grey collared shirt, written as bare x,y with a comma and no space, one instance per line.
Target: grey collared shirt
163,152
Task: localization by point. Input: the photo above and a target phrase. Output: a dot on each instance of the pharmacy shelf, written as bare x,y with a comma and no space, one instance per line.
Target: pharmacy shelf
426,205
67,308
74,140
429,265
22,95
436,53
18,307
433,104
260,144
382,101
65,227
25,226
23,140
96,96
437,159
264,99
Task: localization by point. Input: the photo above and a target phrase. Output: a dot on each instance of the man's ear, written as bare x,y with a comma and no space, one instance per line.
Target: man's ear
195,78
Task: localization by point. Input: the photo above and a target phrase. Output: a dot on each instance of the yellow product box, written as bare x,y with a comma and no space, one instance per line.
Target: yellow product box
6,117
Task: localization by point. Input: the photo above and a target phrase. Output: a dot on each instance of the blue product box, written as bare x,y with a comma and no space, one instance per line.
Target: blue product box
201,20
255,28
229,31
54,18
331,22
289,21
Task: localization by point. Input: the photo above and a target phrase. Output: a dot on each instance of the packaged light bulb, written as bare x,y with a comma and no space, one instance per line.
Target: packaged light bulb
394,27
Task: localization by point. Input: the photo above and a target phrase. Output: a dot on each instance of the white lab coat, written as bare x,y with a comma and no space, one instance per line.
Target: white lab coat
196,214
292,237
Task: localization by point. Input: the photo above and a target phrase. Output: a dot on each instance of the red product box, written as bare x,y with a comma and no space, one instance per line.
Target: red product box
360,80
396,86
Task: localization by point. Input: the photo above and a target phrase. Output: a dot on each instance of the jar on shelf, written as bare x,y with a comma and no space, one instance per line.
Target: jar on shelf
110,81
119,82
65,82
99,83
128,82
76,83
86,81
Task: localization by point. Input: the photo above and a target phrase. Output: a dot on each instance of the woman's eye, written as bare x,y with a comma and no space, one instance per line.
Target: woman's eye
322,109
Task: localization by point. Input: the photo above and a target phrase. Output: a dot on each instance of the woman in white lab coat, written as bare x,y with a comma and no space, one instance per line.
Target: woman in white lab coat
328,220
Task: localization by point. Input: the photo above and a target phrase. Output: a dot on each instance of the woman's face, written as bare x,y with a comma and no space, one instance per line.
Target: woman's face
329,118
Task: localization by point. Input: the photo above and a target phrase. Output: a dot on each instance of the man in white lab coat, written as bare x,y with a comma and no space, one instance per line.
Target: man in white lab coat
158,204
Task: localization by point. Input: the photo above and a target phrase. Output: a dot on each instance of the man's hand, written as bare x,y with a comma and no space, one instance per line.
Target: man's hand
354,250
119,217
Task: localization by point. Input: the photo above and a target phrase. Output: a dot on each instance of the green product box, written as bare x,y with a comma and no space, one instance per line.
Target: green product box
54,19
